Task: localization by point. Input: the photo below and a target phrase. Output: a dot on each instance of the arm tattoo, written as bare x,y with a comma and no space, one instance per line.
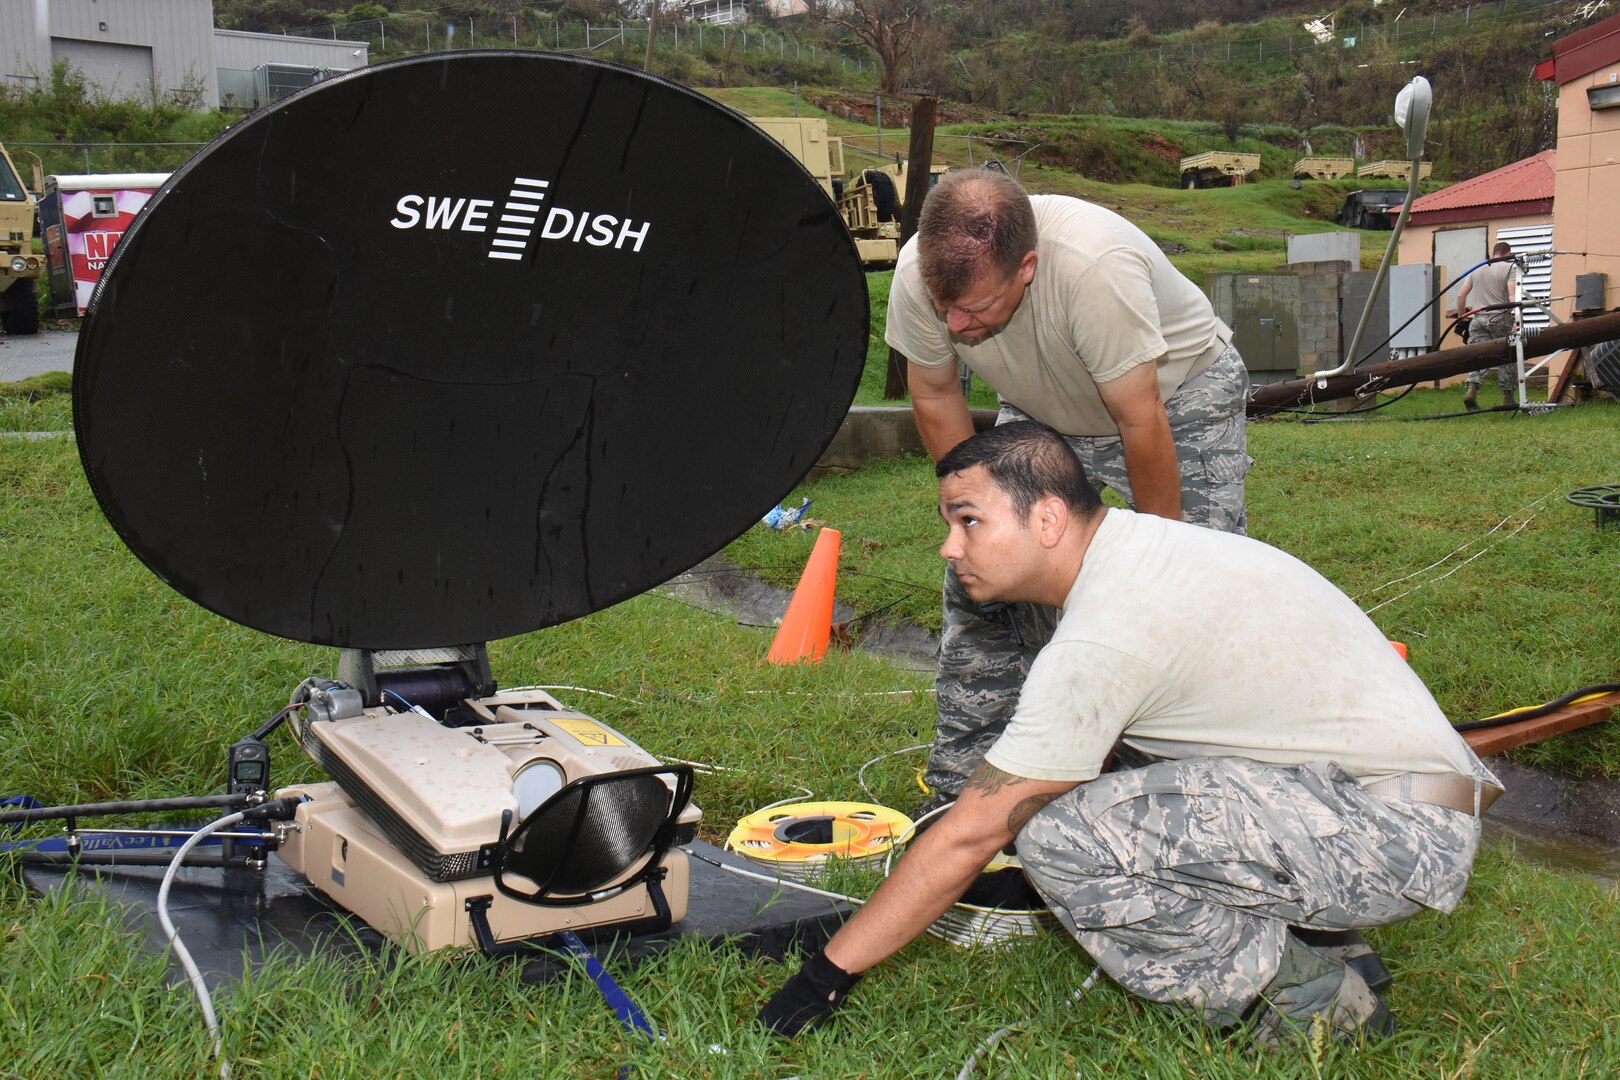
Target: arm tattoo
1025,810
990,780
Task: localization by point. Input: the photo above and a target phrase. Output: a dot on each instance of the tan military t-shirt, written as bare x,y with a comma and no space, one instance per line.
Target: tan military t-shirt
1104,300
1186,642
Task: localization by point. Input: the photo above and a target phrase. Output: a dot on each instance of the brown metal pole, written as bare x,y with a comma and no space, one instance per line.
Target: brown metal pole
1435,365
917,173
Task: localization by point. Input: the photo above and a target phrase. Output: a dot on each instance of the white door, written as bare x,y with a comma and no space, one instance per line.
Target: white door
119,71
1456,251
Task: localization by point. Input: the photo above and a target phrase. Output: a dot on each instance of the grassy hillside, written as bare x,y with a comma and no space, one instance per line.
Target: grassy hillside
1133,172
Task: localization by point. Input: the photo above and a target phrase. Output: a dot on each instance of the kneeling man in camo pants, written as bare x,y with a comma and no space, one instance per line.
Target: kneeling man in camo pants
1300,782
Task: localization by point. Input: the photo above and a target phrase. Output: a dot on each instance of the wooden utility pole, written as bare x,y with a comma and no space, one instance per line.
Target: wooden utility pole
1295,393
919,161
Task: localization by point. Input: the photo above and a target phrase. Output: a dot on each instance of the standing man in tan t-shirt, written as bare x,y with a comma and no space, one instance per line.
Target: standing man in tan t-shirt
1078,320
1492,289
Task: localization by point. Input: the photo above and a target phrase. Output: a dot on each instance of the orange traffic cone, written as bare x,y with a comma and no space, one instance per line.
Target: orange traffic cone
1400,647
805,628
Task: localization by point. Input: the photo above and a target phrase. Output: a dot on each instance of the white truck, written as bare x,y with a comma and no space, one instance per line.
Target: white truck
84,217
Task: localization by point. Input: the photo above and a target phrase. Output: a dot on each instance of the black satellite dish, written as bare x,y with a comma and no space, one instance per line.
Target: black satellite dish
461,346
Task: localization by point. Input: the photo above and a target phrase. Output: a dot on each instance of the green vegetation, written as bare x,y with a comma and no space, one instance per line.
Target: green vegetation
41,403
64,108
112,685
1215,230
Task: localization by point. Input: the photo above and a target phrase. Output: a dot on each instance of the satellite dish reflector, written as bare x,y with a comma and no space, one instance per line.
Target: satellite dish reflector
461,346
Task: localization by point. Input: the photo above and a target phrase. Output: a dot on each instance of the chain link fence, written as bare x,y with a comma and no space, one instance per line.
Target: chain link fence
1397,31
60,158
403,35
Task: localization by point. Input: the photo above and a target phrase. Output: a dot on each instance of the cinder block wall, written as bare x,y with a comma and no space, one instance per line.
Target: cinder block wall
1319,344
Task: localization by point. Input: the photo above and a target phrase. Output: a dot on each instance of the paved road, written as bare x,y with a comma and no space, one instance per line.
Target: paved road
35,354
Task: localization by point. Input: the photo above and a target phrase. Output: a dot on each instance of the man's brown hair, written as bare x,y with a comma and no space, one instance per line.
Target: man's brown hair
974,220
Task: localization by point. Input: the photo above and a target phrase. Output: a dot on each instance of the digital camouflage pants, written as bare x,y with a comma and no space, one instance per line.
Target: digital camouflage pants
1182,878
1485,328
985,652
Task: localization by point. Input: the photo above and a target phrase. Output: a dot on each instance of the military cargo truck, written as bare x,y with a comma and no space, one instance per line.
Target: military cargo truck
870,201
1217,168
20,268
1393,170
1323,168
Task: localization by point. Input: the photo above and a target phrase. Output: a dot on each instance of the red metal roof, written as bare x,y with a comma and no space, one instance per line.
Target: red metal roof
1581,53
1529,181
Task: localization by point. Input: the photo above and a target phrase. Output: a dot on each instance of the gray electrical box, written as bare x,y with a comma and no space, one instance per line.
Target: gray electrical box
1353,292
1406,289
1263,311
1410,288
1591,291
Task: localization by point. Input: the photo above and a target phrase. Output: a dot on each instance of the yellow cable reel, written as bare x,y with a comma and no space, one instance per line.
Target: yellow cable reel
799,837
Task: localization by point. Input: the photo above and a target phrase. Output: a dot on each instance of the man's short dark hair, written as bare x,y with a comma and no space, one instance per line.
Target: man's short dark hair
1029,461
974,220
1502,250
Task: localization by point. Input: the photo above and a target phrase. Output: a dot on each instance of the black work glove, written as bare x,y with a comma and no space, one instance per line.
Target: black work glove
808,999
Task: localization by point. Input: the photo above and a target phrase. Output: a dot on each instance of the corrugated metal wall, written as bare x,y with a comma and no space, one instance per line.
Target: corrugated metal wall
1537,278
120,71
166,43
234,49
128,47
25,55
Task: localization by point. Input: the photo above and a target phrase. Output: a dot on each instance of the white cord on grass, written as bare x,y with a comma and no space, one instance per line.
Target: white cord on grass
181,953
981,1051
984,1048
860,777
786,883
1531,506
575,689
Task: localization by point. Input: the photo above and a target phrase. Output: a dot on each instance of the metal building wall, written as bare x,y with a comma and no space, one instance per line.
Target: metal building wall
25,52
244,52
179,34
1585,188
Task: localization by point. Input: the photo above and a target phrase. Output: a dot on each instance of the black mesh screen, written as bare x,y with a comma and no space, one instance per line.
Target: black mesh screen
586,837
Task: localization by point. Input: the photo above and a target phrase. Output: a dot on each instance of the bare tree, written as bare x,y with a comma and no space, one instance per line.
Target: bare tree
890,28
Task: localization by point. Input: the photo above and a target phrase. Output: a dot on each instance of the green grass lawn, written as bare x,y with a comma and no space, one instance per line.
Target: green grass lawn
112,685
1519,609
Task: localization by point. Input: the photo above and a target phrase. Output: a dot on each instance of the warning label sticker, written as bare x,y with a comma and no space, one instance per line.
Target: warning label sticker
588,732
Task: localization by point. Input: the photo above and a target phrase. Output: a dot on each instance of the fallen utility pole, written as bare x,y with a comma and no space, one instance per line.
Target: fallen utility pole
1294,393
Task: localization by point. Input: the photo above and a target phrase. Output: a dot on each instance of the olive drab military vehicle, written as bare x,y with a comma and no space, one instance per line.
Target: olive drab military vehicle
20,268
870,201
